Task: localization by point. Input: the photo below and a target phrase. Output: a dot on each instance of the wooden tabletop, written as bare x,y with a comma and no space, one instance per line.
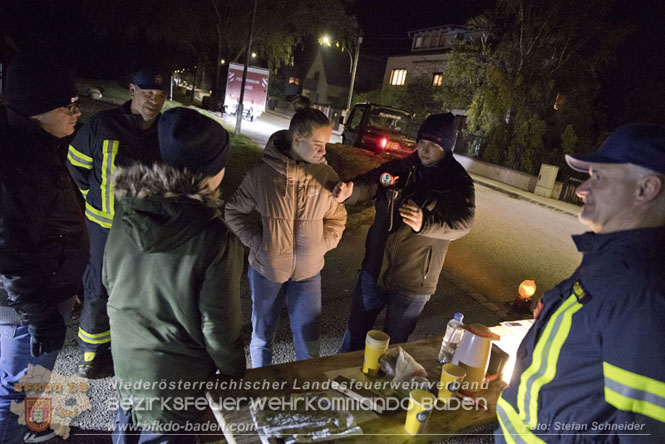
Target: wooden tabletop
388,427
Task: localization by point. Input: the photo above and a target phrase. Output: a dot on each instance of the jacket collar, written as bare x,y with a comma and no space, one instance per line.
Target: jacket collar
590,242
26,125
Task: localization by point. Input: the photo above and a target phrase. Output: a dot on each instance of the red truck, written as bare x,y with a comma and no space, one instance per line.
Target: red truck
256,90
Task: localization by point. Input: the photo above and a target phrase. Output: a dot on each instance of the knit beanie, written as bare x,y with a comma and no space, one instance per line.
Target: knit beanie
440,129
36,84
188,139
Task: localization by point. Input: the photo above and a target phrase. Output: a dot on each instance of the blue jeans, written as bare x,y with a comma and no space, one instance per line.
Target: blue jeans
303,300
125,432
368,301
14,359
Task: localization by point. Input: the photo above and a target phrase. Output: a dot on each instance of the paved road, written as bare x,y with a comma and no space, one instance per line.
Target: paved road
261,129
513,240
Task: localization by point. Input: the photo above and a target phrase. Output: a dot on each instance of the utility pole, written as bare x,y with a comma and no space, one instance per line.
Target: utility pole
354,69
239,109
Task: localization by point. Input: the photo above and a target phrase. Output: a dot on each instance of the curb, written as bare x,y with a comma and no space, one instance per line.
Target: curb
523,197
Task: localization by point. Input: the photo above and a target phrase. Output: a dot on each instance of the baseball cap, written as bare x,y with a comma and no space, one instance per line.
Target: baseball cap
150,78
641,144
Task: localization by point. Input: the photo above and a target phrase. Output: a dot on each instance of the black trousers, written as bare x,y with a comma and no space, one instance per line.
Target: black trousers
94,333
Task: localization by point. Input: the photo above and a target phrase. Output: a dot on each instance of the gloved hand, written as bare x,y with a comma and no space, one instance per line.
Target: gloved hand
47,335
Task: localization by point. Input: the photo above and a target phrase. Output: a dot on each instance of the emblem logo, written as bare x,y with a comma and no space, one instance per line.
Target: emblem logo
38,413
387,179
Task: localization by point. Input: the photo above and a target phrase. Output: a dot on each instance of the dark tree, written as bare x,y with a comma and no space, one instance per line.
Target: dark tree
215,30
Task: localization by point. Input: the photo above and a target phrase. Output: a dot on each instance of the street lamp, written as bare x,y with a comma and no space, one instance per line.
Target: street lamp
353,72
353,60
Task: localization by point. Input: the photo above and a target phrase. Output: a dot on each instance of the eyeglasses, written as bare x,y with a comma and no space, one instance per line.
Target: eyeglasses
72,107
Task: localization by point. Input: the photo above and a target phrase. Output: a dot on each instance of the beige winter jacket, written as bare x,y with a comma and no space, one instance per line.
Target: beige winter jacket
300,221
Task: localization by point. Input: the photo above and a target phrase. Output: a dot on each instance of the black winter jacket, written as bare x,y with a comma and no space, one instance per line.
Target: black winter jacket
43,240
111,138
398,257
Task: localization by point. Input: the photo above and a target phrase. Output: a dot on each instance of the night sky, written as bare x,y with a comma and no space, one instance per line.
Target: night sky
385,23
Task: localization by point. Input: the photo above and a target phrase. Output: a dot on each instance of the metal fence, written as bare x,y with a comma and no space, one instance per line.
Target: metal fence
571,180
471,145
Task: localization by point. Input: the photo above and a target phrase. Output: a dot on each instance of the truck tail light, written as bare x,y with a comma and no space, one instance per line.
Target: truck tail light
383,142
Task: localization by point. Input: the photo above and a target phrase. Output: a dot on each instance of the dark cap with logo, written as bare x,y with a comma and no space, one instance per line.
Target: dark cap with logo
440,129
37,84
641,144
150,78
188,139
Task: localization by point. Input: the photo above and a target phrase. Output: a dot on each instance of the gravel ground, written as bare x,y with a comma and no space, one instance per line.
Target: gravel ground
338,279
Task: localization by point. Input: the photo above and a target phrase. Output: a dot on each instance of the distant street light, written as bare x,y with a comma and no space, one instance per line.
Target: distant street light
353,54
253,55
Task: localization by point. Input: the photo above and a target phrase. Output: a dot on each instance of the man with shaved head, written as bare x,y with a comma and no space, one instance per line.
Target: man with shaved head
592,367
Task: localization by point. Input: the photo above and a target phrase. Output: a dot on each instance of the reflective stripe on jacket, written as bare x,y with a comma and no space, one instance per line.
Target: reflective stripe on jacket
592,366
111,138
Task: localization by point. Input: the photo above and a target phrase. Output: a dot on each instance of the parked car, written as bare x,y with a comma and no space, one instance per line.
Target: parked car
379,128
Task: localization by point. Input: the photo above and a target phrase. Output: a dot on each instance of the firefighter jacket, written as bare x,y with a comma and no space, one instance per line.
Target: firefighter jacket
592,366
111,138
172,268
300,221
43,239
398,257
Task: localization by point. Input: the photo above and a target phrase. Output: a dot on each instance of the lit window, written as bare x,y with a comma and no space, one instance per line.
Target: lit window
294,80
437,78
419,42
398,77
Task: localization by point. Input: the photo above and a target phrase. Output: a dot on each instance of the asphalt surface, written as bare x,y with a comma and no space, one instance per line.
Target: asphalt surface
514,240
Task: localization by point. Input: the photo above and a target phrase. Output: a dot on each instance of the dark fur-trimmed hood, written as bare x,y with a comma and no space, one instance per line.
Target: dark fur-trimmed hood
160,207
142,181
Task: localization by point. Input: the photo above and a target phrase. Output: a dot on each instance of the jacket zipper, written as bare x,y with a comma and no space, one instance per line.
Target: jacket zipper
428,261
295,215
396,242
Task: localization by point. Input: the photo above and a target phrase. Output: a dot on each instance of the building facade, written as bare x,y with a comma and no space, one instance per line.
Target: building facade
428,55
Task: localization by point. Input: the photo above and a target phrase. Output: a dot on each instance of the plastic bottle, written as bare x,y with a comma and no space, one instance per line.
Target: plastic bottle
451,338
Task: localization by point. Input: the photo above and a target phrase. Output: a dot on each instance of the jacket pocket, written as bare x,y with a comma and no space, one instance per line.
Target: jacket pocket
427,264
